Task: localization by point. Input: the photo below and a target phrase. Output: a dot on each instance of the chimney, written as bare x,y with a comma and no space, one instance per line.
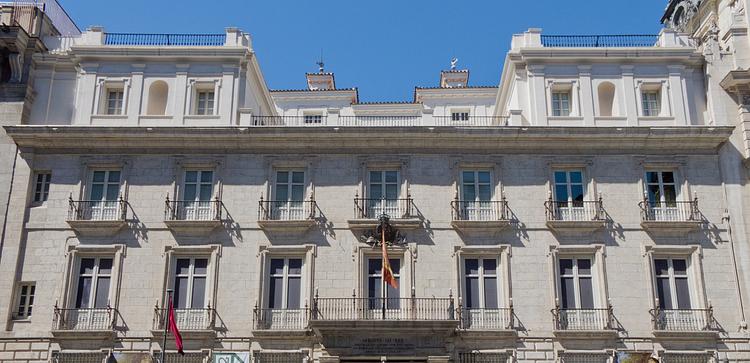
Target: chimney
454,78
322,80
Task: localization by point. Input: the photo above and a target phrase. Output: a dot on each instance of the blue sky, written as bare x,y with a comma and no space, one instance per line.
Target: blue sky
385,47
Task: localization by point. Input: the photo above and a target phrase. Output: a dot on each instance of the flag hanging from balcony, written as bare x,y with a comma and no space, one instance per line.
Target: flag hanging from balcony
173,328
387,272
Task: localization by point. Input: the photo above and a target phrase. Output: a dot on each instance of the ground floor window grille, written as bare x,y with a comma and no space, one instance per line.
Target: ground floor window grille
280,357
478,357
584,358
181,358
78,357
686,358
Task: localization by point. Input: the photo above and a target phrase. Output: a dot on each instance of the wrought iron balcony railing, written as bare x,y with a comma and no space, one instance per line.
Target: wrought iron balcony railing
683,320
193,210
371,208
84,319
471,120
583,319
674,211
97,210
366,308
489,210
203,40
281,319
486,318
286,210
574,211
187,319
599,41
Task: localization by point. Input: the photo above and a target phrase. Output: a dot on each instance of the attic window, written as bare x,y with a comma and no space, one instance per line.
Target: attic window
460,115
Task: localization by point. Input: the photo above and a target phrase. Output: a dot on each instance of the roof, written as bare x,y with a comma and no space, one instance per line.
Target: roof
315,90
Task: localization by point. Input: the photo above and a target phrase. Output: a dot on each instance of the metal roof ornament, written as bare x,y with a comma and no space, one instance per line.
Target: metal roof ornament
454,62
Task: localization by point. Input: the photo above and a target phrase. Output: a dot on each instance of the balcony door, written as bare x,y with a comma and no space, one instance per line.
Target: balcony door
482,294
190,279
661,189
284,297
381,295
569,194
289,196
476,196
103,196
92,295
672,285
383,194
197,193
576,295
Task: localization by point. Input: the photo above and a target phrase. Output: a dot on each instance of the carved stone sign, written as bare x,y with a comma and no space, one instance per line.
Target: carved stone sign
385,345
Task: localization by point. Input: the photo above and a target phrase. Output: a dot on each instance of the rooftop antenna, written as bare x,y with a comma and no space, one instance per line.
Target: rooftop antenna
454,62
321,65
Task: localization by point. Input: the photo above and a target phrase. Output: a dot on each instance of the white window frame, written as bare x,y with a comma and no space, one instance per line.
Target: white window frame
568,182
212,252
198,183
95,276
191,276
693,254
406,254
101,101
306,252
313,118
75,253
285,275
44,184
576,280
597,254
368,275
24,303
198,86
662,88
476,172
481,275
502,254
672,277
660,182
571,87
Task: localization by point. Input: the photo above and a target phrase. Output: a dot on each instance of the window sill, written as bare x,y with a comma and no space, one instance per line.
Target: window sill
153,117
26,320
113,117
565,118
655,118
202,117
610,118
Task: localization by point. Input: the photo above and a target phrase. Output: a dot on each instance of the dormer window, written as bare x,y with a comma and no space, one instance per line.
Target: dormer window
313,118
204,102
561,103
114,101
651,102
460,115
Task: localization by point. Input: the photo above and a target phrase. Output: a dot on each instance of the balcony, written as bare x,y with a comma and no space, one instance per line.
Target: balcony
487,321
367,211
598,322
84,323
670,218
193,217
689,323
336,120
286,215
478,217
193,323
577,216
97,217
283,322
334,314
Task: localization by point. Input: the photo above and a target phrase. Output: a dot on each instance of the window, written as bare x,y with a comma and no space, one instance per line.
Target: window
460,116
661,188
569,186
114,101
576,283
383,192
41,189
290,195
476,194
313,119
651,102
204,102
481,283
197,193
672,283
25,300
375,284
190,283
561,103
104,194
94,277
285,287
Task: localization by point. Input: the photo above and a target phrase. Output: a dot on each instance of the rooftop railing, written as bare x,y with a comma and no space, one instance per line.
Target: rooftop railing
388,121
24,15
471,120
599,41
208,40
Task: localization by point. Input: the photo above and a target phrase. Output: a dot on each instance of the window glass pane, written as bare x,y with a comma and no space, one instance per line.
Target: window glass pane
376,192
205,192
282,177
183,266
567,292
667,177
391,177
490,266
275,293
490,292
190,192
375,177
566,266
98,177
298,177
587,293
661,267
584,267
654,194
207,176
282,193
679,266
472,292
484,177
102,292
87,265
576,177
191,176
113,191
97,191
295,266
391,191
114,176
180,292
293,293
468,177
664,293
105,266
374,266
199,292
485,193
576,192
298,192
683,293
469,192
373,287
560,177
561,193
395,265
652,177
393,294
670,195
471,266
83,295
201,265
277,266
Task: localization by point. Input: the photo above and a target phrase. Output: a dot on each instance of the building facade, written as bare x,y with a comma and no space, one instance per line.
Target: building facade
589,208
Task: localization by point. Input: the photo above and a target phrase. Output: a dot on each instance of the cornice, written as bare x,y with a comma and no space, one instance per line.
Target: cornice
104,52
370,140
671,55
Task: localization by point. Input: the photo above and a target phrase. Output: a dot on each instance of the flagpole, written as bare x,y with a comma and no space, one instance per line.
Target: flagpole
168,298
383,292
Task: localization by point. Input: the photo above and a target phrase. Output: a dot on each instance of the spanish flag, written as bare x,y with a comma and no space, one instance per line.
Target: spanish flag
387,272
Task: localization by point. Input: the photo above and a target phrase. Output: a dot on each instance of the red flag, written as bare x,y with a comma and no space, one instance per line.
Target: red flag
173,328
387,272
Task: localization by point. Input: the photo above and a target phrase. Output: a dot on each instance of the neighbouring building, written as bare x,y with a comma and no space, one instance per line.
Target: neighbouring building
589,208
